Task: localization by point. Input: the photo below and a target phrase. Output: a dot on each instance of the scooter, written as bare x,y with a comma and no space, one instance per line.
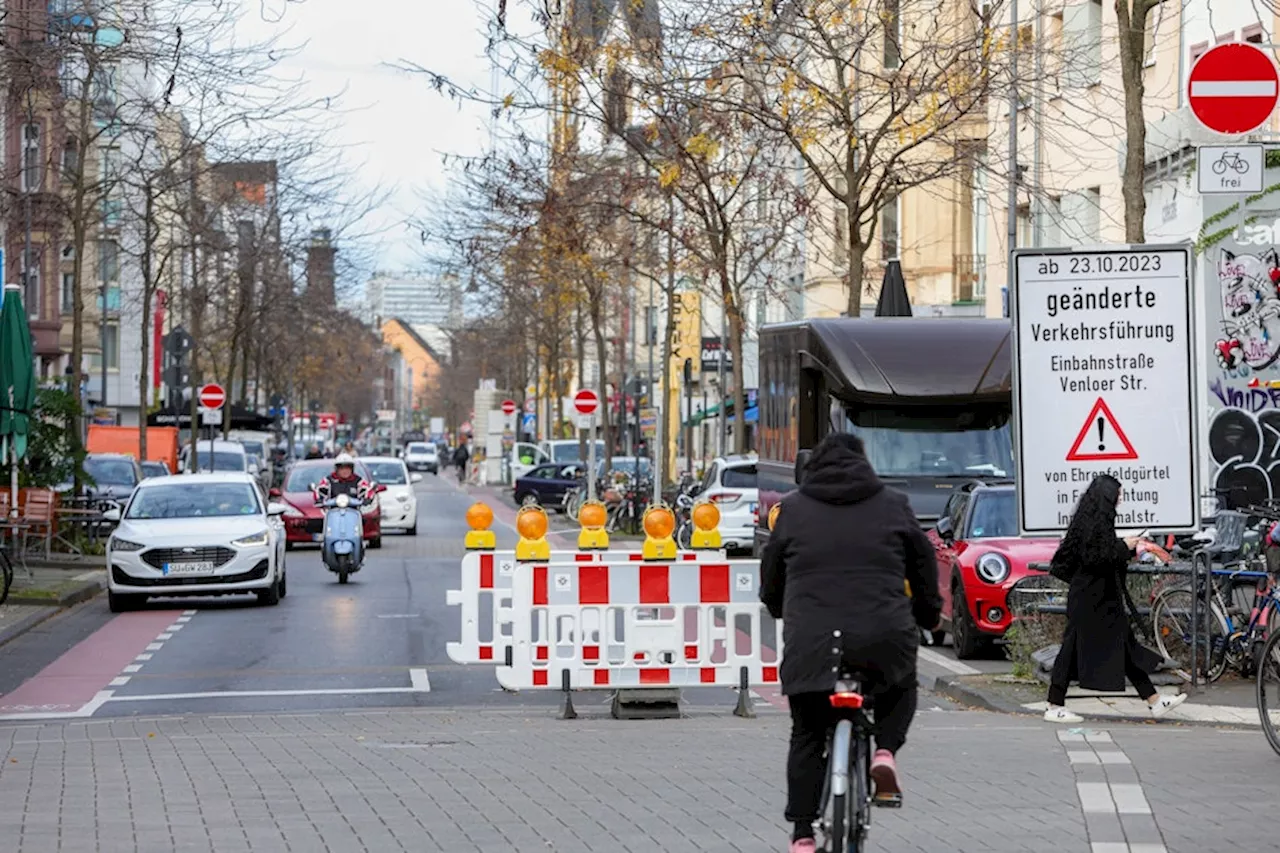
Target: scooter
342,548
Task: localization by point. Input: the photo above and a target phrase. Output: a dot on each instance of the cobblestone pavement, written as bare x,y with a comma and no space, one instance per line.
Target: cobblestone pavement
428,780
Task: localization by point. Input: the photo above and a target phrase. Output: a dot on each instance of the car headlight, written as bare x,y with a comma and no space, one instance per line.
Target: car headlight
993,567
118,544
343,501
248,541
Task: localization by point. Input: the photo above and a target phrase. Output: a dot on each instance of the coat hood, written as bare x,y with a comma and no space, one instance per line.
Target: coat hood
837,475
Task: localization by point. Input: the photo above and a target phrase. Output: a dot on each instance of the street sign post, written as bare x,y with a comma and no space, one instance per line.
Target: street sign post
1233,88
585,403
211,398
1229,169
1105,382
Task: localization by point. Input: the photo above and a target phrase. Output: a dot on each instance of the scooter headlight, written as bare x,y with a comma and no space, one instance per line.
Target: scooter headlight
343,501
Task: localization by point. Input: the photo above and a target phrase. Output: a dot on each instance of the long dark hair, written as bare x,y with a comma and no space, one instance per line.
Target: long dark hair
1091,535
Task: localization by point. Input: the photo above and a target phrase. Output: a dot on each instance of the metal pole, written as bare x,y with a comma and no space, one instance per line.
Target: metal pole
1013,148
688,429
591,459
724,349
1037,168
651,338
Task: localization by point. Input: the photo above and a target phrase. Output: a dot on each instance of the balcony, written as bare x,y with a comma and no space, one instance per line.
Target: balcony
970,283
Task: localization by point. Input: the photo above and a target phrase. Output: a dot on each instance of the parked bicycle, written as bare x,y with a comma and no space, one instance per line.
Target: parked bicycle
6,574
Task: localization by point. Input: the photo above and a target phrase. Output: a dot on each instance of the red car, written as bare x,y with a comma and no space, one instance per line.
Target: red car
980,558
304,521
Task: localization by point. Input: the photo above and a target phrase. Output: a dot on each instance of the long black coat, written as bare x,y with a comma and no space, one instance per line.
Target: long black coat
1098,635
834,571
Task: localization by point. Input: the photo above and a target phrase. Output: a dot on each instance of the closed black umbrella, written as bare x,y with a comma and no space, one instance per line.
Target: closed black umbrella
893,293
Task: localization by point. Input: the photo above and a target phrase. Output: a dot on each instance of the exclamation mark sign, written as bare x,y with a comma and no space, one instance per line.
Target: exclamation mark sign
1102,445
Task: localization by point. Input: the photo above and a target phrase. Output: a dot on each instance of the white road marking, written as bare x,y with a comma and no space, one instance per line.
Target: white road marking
1095,797
85,710
399,615
946,663
176,626
1129,798
143,656
165,636
419,683
1082,757
119,681
155,647
133,667
188,613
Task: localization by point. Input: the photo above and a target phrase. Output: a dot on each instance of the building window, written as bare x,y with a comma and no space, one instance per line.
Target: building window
68,292
1229,37
1155,18
31,278
111,345
1198,50
108,260
889,228
32,162
1253,33
70,159
892,17
1082,37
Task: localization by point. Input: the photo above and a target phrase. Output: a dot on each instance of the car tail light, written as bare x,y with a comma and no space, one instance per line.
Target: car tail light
725,497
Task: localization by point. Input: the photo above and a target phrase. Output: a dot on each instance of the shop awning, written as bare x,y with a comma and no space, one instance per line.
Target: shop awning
714,412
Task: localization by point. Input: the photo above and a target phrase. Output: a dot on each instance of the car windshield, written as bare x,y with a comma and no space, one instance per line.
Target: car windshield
569,452
255,448
995,514
625,465
420,448
111,472
968,443
194,500
388,473
154,469
223,460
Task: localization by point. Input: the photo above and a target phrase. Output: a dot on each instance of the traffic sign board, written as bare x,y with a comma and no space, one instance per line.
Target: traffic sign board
1230,168
508,407
1233,88
212,396
1104,384
586,402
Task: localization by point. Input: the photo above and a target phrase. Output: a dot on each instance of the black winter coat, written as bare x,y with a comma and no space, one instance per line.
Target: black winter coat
834,572
1098,634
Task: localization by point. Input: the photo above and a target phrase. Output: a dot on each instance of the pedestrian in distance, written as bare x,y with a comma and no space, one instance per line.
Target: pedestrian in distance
835,571
460,458
1099,648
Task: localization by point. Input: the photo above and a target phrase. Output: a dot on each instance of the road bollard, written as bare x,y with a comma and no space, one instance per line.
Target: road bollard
480,519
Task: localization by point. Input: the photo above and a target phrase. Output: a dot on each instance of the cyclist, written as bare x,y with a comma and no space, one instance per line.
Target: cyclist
834,571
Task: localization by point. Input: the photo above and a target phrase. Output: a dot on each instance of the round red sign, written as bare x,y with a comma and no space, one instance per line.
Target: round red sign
508,407
212,396
1233,88
586,402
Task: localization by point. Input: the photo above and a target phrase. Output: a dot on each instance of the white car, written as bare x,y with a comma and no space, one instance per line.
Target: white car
215,455
730,484
203,534
398,503
422,456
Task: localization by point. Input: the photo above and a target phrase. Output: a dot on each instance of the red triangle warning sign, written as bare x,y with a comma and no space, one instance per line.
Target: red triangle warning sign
1101,438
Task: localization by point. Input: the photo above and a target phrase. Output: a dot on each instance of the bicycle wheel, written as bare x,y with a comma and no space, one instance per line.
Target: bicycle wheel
1171,624
1268,690
839,761
860,774
6,576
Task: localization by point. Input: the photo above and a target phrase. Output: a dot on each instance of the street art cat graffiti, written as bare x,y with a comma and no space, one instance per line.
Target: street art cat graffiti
1250,287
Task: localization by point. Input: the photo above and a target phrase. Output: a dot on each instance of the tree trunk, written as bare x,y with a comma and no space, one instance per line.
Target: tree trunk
597,329
857,252
1131,24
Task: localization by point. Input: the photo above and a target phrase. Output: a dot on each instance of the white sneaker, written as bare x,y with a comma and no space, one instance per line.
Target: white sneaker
1059,714
1165,704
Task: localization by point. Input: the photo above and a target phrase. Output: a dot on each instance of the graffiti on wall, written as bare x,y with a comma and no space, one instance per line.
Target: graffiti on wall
1244,442
1250,289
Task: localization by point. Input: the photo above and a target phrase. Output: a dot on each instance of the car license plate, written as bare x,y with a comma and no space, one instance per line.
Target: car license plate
317,537
194,568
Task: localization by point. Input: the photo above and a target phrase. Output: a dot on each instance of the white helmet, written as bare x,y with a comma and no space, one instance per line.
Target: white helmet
344,459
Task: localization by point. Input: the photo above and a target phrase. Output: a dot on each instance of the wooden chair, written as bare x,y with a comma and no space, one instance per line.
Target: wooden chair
39,515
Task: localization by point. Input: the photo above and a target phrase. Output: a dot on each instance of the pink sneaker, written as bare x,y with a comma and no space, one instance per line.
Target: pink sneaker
803,845
884,772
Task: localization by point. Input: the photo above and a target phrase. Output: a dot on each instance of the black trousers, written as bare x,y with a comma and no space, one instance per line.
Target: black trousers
813,718
1065,668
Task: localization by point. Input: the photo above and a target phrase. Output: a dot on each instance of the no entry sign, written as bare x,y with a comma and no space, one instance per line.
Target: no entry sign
1233,88
212,396
586,402
508,407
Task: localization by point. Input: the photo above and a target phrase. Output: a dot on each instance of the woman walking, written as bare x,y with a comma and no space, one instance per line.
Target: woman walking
1098,647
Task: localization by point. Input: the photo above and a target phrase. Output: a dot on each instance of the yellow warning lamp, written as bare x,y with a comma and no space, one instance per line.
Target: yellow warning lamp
480,519
659,524
773,514
592,516
706,520
531,524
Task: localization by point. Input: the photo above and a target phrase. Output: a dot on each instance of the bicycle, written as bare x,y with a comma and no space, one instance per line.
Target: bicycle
6,575
846,813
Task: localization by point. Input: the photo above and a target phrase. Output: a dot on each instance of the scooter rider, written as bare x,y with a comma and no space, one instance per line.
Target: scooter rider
343,481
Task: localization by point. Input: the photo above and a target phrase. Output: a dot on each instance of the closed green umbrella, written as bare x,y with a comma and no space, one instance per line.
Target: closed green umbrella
17,382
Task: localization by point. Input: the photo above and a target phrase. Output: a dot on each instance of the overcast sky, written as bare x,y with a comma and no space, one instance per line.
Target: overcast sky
397,124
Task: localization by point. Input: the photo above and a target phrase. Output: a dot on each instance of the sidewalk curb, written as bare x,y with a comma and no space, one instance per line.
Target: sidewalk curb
957,690
70,598
26,623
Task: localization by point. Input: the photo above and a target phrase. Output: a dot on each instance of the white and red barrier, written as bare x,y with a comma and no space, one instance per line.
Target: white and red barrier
615,622
484,596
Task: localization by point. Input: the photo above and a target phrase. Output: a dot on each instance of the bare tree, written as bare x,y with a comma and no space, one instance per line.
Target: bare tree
1131,25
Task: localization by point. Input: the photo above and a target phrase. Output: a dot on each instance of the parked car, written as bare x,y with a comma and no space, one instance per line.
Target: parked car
730,484
216,455
154,468
548,482
398,504
422,456
980,558
303,520
114,477
205,534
